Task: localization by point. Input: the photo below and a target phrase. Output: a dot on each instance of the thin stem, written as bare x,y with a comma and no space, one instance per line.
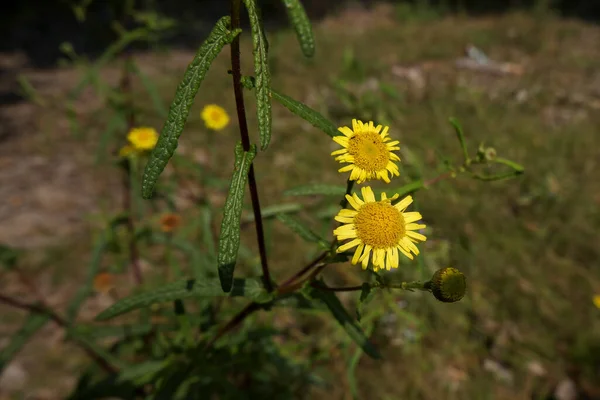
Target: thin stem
134,259
236,72
302,271
349,186
235,321
42,309
337,289
438,178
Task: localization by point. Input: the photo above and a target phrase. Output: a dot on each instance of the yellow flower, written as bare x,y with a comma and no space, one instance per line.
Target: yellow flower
143,138
126,151
596,300
378,227
215,117
368,150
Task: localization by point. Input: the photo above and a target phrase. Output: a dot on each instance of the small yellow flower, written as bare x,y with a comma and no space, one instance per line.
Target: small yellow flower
596,300
169,222
368,150
143,138
126,151
379,227
215,117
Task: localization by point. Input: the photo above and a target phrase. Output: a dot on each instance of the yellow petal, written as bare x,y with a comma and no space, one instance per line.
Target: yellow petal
349,245
368,194
405,202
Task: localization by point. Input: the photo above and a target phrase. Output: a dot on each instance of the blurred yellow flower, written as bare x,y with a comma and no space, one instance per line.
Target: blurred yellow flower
143,138
126,151
215,117
596,300
378,227
368,150
169,222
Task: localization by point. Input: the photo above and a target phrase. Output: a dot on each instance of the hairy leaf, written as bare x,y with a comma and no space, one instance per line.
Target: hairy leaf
306,113
303,231
186,288
344,319
262,74
301,23
229,238
184,98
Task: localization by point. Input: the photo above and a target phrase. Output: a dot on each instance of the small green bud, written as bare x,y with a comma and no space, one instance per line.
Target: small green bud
447,285
490,154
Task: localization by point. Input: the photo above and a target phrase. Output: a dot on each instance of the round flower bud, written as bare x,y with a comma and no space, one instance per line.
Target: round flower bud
448,285
490,154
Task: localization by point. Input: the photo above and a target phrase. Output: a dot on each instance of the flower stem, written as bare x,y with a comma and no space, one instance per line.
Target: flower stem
349,186
134,258
236,72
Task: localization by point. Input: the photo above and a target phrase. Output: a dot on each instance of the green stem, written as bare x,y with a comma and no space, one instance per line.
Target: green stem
349,186
236,72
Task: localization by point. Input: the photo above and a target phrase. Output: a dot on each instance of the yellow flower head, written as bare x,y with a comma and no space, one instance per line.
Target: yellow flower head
143,138
126,151
368,150
215,117
379,227
596,300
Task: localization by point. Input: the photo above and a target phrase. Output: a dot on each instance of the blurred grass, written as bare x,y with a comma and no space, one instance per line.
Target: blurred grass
529,246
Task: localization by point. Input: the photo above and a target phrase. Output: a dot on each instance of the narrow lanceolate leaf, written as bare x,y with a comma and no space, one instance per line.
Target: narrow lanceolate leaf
316,189
343,318
33,324
229,238
92,270
303,231
182,289
184,98
306,113
301,23
263,75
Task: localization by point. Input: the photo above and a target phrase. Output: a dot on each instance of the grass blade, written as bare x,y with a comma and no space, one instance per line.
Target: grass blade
184,98
262,75
34,323
301,23
306,113
229,238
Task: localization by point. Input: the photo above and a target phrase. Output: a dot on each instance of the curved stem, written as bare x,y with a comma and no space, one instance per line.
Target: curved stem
236,72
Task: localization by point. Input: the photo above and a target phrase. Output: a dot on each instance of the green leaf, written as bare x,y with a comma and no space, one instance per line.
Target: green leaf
92,270
343,318
34,323
461,137
107,331
184,98
402,191
306,113
262,74
151,89
182,289
316,189
272,211
142,373
229,238
518,168
366,295
303,231
8,257
301,23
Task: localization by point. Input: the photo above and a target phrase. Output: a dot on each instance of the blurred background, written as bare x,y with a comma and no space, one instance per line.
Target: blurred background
521,76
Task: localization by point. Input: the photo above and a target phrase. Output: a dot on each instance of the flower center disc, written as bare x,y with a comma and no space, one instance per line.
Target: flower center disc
369,151
215,115
379,225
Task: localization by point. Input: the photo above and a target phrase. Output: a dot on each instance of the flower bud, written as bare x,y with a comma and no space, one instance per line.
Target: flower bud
448,285
490,154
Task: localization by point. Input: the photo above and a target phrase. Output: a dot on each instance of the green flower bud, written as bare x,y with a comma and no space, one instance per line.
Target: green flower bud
448,285
490,154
